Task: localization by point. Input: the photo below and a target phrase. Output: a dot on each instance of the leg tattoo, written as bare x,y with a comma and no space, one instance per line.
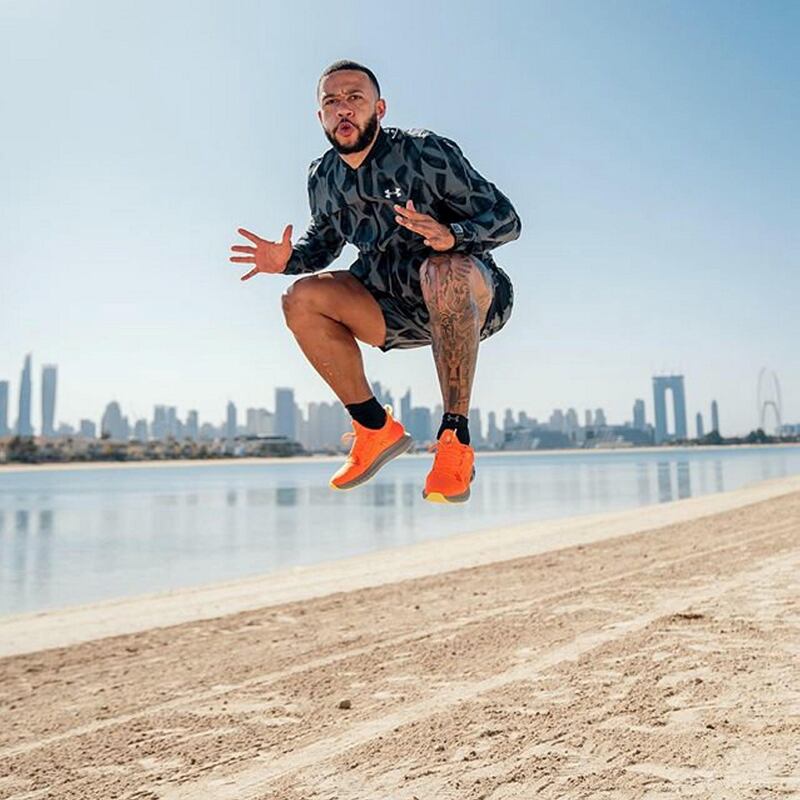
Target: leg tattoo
457,294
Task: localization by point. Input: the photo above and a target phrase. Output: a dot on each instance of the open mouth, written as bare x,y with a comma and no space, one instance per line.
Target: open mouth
345,128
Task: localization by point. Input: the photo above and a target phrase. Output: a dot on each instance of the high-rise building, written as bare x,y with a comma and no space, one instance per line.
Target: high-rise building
600,418
49,372
259,422
230,421
159,427
673,383
173,424
285,415
405,407
557,421
4,429
494,436
24,426
699,423
588,418
192,426
140,430
419,424
475,427
571,420
113,424
508,420
639,420
87,429
714,416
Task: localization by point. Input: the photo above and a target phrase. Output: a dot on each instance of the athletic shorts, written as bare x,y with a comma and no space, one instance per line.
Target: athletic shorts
408,323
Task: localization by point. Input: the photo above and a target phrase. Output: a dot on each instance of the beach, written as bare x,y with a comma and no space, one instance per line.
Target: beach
650,653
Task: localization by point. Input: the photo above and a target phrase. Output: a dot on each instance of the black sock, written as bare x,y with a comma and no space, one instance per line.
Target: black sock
457,423
370,413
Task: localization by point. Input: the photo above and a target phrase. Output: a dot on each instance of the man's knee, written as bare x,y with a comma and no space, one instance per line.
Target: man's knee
452,281
298,300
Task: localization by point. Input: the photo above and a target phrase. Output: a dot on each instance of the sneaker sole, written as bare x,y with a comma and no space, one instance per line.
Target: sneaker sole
397,449
438,497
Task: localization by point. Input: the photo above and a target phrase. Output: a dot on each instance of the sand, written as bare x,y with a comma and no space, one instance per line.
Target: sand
649,654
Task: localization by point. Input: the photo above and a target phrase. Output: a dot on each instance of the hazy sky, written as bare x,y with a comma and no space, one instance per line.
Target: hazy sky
651,149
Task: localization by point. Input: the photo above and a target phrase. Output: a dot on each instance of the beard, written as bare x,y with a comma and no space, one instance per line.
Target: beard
363,140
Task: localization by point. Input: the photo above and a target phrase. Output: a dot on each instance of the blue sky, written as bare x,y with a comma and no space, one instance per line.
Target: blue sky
649,147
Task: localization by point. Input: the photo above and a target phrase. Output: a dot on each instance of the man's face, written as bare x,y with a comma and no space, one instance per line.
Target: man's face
349,110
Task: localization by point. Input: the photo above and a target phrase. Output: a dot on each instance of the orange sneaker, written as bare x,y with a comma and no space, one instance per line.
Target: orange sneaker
453,471
370,451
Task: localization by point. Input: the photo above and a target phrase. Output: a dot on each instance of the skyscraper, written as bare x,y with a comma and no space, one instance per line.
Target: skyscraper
639,421
599,417
673,383
285,414
24,426
699,424
4,430
87,430
588,417
419,424
475,427
714,416
571,420
494,435
48,399
230,422
405,407
192,426
159,428
113,424
140,430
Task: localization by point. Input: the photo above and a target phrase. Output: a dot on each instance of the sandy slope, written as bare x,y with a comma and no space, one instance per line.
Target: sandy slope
653,665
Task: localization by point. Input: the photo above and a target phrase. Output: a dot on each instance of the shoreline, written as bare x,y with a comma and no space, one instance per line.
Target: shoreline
40,630
9,469
650,662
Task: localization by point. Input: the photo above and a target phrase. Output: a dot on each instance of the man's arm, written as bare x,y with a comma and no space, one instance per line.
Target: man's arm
316,248
485,215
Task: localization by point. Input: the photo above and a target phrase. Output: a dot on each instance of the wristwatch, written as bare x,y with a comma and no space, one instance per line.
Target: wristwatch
458,233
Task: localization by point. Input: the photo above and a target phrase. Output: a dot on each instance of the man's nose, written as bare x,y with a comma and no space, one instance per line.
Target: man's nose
344,109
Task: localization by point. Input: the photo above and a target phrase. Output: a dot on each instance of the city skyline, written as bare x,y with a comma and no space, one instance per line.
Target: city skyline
650,151
287,418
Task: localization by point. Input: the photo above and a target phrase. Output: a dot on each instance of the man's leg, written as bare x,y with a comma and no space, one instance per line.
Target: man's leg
327,313
458,292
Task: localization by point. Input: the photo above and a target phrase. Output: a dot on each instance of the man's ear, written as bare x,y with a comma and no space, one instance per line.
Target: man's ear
380,108
319,116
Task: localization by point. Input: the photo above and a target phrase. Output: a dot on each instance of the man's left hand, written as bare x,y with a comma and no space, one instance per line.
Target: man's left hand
437,236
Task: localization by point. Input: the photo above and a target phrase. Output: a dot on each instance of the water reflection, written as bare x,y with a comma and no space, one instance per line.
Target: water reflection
287,496
21,521
664,482
643,483
719,481
684,480
69,538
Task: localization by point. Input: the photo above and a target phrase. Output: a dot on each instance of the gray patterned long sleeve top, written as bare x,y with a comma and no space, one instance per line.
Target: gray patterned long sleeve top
355,206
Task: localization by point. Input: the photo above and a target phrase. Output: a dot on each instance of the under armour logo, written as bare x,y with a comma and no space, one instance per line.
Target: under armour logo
390,193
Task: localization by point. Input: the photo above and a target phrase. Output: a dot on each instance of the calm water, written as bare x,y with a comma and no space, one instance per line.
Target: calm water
70,537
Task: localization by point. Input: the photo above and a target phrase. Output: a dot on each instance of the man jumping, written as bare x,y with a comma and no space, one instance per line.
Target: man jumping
423,221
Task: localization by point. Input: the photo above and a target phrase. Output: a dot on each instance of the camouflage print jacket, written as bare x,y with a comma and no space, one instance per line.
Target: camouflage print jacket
355,206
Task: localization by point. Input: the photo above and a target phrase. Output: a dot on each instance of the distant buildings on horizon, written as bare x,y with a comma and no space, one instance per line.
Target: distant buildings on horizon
320,428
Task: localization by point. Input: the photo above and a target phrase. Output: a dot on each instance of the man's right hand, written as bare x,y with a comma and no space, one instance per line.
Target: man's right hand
267,256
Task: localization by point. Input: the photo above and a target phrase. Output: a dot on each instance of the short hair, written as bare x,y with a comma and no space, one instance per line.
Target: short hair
344,63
